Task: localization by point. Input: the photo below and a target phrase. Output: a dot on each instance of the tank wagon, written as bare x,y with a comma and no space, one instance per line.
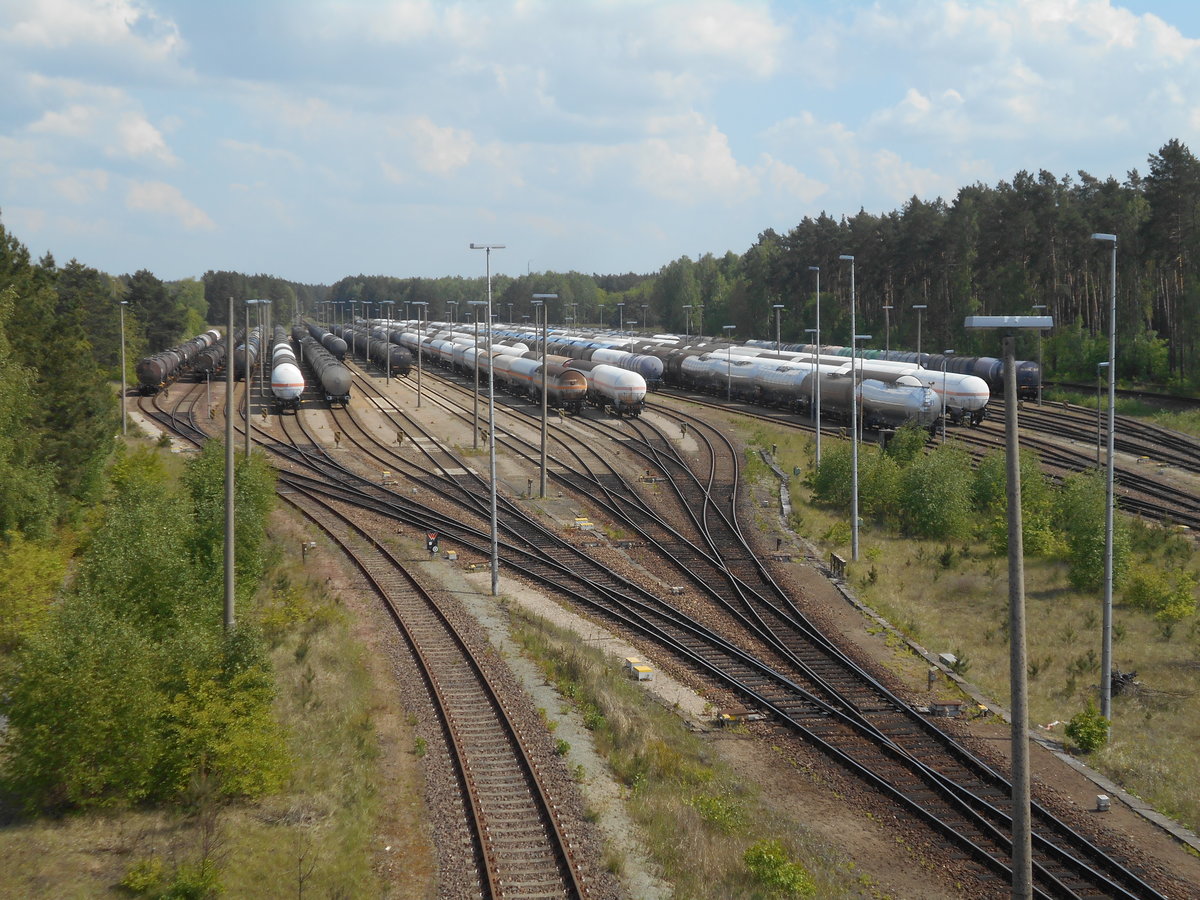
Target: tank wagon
328,340
379,349
159,370
245,354
333,377
211,360
287,384
610,387
522,375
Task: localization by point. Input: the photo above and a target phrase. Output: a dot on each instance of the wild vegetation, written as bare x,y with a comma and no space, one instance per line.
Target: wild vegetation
941,577
711,834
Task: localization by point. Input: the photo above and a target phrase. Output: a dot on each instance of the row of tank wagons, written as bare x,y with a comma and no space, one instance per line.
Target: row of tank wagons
374,344
988,368
518,369
157,371
784,379
330,373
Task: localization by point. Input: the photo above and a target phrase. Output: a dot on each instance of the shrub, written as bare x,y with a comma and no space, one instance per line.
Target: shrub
770,866
1088,729
935,494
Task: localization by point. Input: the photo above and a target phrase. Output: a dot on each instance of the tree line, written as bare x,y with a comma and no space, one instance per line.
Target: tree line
1021,246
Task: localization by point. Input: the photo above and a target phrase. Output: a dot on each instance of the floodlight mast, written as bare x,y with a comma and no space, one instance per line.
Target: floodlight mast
488,248
1022,832
1107,626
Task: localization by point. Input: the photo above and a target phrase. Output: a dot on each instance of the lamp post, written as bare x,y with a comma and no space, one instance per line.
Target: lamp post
1037,311
645,323
229,467
420,305
728,329
453,304
816,351
1022,853
121,306
946,354
488,248
1106,637
249,376
387,337
853,417
542,301
887,331
687,321
778,307
919,307
475,304
621,315
1100,367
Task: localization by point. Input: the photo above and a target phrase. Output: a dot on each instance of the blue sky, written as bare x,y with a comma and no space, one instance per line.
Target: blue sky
313,139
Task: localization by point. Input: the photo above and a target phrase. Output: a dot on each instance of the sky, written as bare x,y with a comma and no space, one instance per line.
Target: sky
316,139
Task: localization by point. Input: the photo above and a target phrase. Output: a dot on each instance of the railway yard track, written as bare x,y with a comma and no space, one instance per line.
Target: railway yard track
690,583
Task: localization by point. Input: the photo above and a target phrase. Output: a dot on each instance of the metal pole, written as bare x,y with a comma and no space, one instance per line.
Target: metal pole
229,467
728,364
387,331
816,351
246,372
1022,852
778,311
420,340
124,388
887,332
946,354
543,300
687,321
488,248
919,307
1106,637
853,420
1036,308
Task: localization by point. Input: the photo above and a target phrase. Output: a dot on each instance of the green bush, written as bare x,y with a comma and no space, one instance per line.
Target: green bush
770,866
1088,729
935,494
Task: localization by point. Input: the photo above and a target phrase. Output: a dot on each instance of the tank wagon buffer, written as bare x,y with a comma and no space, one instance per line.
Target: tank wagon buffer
287,383
157,371
333,377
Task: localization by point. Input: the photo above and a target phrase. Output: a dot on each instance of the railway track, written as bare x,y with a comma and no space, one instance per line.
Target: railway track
842,713
517,846
771,658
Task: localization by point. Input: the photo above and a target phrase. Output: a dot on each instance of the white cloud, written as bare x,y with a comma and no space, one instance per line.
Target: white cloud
103,117
56,24
787,180
139,138
691,164
82,187
743,35
438,149
166,199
